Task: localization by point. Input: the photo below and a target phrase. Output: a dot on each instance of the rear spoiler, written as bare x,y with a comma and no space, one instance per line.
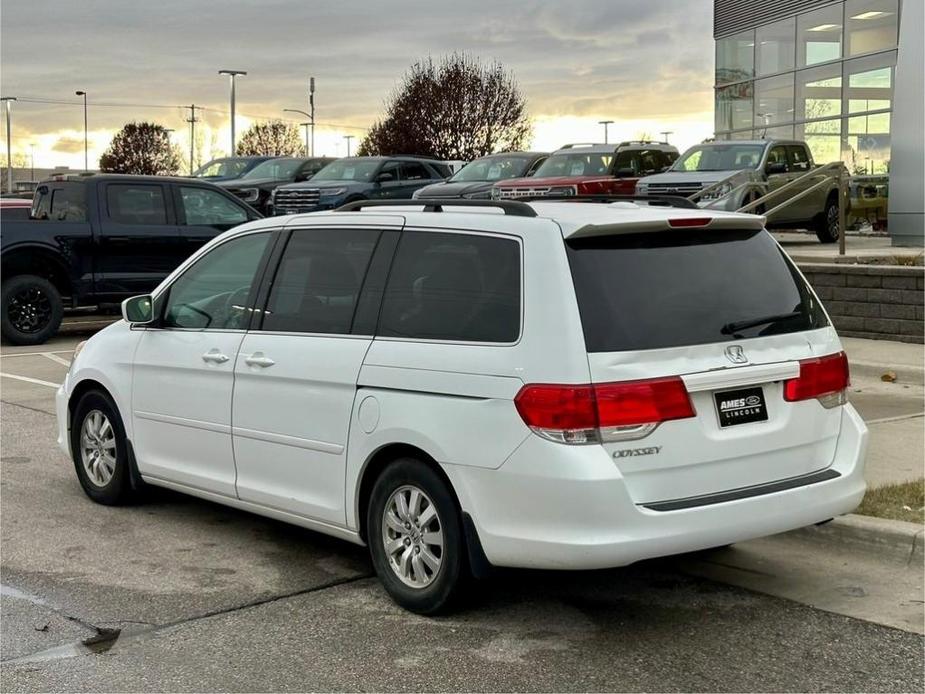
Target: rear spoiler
674,223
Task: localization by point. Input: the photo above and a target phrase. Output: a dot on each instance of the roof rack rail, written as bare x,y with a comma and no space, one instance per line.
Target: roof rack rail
659,200
510,207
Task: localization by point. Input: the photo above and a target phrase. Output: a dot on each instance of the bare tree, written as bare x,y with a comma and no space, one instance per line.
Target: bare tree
275,138
457,108
141,148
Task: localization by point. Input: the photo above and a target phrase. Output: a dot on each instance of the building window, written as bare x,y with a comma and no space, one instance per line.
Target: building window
734,107
781,132
872,25
819,36
774,100
819,92
735,58
867,147
775,46
869,83
823,139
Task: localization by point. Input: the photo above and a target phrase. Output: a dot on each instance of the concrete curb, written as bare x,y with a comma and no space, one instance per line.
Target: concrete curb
898,539
905,374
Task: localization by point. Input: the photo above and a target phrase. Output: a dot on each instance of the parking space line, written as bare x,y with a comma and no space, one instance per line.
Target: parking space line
30,380
55,358
35,354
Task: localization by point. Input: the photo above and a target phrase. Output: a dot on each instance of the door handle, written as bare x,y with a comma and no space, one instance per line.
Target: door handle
214,356
258,359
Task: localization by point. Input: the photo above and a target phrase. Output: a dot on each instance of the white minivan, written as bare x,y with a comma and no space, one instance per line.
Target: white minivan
562,385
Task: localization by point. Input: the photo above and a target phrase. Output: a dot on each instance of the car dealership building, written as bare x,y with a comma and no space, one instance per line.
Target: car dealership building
845,76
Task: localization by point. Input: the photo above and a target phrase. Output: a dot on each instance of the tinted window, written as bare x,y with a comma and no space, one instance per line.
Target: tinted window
130,203
210,208
667,289
778,155
69,204
213,293
576,164
453,287
316,287
414,171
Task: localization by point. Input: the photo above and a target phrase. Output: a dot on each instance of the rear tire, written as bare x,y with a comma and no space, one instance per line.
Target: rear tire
826,226
415,537
31,310
100,452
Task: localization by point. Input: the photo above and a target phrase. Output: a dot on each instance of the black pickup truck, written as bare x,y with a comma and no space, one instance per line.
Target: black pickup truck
95,240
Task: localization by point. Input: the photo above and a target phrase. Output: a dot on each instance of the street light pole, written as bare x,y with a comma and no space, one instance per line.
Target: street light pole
311,122
311,107
305,125
86,158
232,74
348,138
605,123
9,143
32,161
665,134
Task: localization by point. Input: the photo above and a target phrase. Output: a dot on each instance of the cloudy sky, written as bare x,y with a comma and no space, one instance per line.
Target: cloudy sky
646,64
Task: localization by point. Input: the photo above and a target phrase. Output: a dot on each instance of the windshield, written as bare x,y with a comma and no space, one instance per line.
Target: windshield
353,169
492,169
576,164
223,167
720,158
690,287
279,169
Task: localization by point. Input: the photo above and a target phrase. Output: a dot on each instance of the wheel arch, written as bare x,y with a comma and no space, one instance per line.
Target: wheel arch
40,261
81,389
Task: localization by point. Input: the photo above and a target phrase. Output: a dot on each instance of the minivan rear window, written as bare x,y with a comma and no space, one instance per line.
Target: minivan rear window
676,288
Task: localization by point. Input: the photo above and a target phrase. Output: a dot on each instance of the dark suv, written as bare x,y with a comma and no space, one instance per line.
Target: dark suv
256,186
359,178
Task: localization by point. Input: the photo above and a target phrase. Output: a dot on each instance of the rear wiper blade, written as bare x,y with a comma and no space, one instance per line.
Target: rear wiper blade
732,328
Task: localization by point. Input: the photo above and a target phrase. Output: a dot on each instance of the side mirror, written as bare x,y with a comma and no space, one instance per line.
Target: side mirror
385,178
138,310
625,173
776,167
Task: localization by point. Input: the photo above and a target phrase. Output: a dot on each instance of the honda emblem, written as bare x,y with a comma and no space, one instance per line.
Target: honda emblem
736,354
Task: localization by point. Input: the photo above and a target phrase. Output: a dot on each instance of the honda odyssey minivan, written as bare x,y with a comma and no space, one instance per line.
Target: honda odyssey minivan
468,384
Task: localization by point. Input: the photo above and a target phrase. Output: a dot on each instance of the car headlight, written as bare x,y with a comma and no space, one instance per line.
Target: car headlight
561,190
719,192
332,192
77,350
249,194
480,195
642,189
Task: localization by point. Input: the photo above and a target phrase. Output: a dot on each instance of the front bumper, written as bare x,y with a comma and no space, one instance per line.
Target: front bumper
574,511
61,411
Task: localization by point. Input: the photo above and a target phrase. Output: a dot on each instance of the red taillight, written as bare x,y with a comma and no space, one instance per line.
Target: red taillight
819,377
689,221
604,411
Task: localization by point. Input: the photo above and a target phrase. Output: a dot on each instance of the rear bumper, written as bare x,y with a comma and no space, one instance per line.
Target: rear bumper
574,512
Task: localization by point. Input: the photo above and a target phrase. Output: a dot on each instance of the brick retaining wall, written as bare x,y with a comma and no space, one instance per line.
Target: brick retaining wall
883,302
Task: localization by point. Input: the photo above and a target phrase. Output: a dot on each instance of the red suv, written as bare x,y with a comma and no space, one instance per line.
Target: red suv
591,169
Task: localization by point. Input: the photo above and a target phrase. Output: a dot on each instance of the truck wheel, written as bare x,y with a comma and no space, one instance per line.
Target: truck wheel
31,310
827,224
415,537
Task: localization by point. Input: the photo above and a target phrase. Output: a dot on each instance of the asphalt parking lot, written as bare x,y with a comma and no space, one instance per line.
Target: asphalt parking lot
180,594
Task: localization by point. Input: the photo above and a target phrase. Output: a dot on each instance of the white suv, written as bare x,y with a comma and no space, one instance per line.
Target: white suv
567,385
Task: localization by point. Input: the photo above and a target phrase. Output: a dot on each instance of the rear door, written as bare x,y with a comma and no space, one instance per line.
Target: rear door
678,303
139,242
296,374
813,204
778,156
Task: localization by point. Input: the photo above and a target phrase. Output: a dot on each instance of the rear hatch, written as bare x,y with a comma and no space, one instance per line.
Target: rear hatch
725,316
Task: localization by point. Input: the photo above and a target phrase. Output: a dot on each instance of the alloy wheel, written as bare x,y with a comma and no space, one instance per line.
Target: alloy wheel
98,448
412,535
29,310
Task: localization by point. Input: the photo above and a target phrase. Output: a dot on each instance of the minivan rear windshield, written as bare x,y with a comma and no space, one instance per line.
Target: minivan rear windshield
676,288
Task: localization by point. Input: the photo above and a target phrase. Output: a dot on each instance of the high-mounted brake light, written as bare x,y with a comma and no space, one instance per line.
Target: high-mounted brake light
823,378
689,221
604,411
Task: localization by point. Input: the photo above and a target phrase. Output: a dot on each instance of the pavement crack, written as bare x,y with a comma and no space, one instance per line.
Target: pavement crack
26,407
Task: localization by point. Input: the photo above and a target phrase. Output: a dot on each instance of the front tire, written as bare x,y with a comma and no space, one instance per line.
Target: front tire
827,226
31,310
99,449
415,537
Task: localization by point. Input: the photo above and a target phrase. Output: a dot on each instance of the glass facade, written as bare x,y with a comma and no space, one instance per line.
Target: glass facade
824,76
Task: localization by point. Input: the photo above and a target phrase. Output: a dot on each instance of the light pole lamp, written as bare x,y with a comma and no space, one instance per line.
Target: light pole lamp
311,123
348,138
231,75
7,101
86,147
605,123
665,134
